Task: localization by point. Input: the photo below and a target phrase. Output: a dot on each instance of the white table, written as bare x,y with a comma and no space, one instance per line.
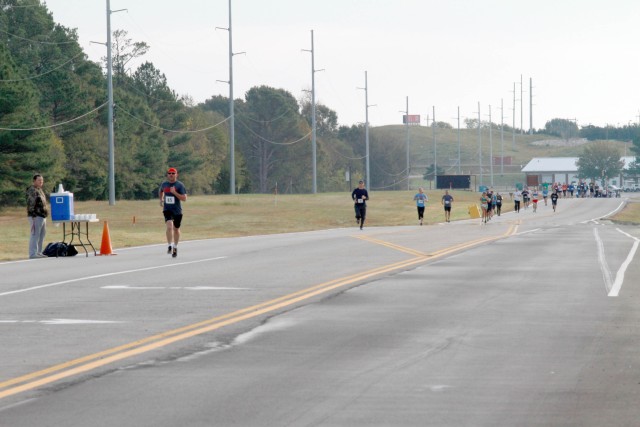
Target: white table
76,232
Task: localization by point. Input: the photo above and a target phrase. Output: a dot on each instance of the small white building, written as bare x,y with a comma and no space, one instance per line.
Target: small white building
542,170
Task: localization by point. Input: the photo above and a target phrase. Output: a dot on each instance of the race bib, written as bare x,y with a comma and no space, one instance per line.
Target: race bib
360,200
169,200
421,202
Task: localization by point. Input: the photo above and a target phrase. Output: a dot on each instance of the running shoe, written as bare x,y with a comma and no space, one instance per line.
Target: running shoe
169,250
175,252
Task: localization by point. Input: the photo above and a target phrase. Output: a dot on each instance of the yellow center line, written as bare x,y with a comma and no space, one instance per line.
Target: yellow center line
391,245
87,363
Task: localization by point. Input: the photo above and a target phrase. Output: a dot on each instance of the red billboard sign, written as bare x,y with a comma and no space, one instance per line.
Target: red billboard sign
412,119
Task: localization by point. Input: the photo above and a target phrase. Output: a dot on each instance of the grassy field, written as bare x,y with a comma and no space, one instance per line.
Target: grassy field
135,223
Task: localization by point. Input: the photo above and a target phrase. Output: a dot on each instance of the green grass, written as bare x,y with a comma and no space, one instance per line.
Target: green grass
135,223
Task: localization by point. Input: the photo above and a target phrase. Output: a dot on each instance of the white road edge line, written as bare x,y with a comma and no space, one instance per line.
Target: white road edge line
617,285
606,273
620,206
98,276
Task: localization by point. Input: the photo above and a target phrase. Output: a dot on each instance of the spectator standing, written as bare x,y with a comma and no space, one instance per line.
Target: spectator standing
37,213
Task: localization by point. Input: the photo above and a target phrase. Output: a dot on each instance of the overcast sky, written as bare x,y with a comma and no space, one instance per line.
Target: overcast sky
581,54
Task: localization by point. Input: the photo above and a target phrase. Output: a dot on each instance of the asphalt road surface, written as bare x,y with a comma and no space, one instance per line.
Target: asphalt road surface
529,320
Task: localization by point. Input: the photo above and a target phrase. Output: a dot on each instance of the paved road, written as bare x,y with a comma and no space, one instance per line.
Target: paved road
528,320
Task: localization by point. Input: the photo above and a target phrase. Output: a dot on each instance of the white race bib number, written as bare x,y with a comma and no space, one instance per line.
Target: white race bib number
360,200
169,200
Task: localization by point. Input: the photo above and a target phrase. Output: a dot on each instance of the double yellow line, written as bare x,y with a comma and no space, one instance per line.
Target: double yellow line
97,360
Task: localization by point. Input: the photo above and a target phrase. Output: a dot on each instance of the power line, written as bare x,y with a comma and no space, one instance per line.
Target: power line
274,142
57,124
171,130
45,73
36,41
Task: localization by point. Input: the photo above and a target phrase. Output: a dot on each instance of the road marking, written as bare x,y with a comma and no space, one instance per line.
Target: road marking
97,360
391,245
606,273
188,288
99,276
617,285
527,232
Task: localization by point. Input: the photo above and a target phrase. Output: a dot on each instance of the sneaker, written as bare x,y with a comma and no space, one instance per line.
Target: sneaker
175,252
41,255
169,250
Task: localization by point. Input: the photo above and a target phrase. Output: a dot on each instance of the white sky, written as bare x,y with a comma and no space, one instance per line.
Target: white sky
581,54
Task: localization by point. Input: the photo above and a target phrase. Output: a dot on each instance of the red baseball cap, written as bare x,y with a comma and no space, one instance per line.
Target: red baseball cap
172,170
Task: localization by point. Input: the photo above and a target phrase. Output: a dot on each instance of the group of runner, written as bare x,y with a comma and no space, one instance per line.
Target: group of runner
532,197
421,200
490,203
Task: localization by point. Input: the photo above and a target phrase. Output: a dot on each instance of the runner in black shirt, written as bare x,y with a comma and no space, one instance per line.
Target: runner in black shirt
360,197
554,200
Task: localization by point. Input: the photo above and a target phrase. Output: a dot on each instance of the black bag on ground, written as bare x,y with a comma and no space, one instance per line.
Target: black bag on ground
59,249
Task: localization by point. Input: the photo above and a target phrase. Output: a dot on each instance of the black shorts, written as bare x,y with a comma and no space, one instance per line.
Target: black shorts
170,216
447,208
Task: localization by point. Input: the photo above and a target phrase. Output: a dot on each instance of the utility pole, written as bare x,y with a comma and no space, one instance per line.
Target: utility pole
513,128
480,142
530,106
110,135
490,146
521,111
459,140
408,141
232,126
435,151
501,136
366,127
313,117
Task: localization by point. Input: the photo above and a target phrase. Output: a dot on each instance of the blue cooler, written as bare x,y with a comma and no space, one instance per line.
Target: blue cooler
61,206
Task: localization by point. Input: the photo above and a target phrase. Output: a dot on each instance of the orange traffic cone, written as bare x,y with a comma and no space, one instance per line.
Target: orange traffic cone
105,248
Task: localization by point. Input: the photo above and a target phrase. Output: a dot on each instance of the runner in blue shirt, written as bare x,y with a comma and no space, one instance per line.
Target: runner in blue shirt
447,201
421,202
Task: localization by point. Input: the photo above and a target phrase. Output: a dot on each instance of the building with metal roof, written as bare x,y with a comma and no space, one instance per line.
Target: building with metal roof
548,170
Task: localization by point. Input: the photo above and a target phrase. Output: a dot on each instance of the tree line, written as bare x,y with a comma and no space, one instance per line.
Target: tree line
53,121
